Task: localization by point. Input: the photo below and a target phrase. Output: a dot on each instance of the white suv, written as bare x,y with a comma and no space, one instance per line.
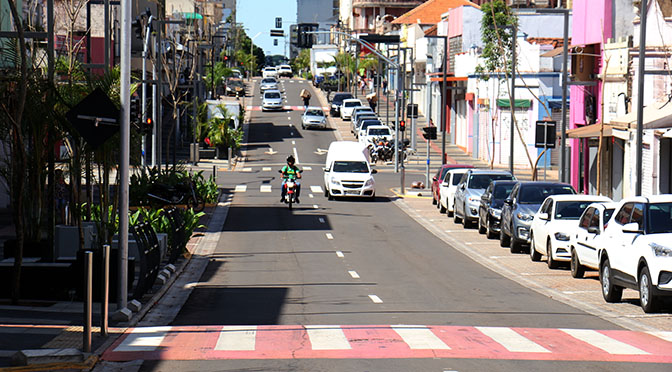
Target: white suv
637,250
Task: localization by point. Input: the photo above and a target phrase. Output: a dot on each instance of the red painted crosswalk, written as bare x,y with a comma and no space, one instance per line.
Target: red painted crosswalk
285,108
389,341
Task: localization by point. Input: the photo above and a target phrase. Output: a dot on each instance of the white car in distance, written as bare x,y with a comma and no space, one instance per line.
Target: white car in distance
348,106
585,239
268,84
269,72
552,225
272,100
376,131
447,190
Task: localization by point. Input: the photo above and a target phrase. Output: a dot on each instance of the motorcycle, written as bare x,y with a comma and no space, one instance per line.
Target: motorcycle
290,192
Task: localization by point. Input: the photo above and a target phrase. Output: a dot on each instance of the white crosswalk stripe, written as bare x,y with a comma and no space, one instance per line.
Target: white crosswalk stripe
240,188
327,338
266,169
144,339
419,337
307,168
667,336
265,188
603,342
512,340
237,338
316,189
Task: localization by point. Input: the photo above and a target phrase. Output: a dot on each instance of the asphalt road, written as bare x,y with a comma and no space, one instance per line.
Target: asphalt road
358,269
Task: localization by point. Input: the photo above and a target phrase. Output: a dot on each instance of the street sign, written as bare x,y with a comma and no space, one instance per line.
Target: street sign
277,33
544,136
380,39
412,111
278,22
95,118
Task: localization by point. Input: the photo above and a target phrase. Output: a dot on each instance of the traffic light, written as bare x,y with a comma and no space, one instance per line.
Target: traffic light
294,35
137,27
402,125
430,133
134,109
147,126
277,33
304,39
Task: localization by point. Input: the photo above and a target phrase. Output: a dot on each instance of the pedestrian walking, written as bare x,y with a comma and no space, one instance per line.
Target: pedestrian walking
305,95
384,86
373,100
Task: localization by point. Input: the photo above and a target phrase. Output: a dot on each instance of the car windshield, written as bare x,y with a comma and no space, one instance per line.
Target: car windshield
352,104
535,194
314,113
272,95
570,210
502,192
351,166
481,181
268,81
379,132
366,124
339,98
659,217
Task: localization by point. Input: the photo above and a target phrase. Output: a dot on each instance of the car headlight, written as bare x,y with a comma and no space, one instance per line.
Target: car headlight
660,251
369,182
335,181
561,236
524,216
497,213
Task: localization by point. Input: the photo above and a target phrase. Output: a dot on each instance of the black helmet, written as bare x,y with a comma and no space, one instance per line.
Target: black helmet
290,159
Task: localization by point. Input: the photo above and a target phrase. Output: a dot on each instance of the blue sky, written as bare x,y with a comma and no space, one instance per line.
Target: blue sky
259,15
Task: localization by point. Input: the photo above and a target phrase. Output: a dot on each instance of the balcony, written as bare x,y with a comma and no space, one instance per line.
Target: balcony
386,3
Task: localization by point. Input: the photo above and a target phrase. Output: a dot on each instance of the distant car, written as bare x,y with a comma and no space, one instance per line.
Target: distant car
268,84
438,178
235,87
469,192
337,101
348,106
490,208
637,251
584,241
553,224
365,124
272,100
376,131
236,74
269,72
520,207
356,124
447,190
313,117
361,111
285,71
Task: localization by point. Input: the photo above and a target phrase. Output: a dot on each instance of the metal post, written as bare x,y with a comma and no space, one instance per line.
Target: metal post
107,34
88,297
397,103
413,119
640,93
155,102
158,120
513,97
214,172
145,48
105,294
125,94
444,89
429,121
564,174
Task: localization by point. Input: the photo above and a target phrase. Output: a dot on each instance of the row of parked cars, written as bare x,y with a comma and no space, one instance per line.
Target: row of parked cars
628,242
366,125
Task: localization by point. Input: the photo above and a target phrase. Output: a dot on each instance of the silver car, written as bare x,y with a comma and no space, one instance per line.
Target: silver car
272,100
313,117
268,84
469,191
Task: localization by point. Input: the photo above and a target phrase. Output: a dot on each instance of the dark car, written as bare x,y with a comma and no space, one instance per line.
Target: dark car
490,209
519,209
438,178
337,101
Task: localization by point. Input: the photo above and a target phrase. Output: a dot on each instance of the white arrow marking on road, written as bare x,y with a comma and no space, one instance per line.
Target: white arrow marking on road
270,151
321,151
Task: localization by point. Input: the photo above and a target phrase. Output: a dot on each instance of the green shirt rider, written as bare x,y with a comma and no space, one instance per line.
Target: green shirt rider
290,172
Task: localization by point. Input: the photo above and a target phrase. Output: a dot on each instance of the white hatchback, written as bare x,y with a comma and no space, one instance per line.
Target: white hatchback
552,224
348,106
447,190
584,241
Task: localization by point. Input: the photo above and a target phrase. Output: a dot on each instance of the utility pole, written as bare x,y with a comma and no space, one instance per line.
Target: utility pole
640,93
125,96
513,96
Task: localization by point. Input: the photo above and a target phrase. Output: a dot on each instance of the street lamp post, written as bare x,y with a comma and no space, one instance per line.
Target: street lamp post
444,67
249,75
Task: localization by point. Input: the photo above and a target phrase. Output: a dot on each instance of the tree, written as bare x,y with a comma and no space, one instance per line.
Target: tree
301,62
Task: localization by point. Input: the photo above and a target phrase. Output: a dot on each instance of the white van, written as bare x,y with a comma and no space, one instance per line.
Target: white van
347,171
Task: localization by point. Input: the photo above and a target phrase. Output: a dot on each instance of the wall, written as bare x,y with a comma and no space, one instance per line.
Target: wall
590,17
314,11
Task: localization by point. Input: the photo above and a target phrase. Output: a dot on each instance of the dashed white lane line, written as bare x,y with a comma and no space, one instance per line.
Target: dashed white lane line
603,342
293,142
291,125
311,196
339,254
375,299
329,236
307,168
296,155
247,169
266,169
240,188
316,189
353,274
321,220
315,206
289,118
512,340
265,188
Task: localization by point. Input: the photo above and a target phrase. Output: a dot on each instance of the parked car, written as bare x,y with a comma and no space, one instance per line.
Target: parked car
438,178
348,106
272,100
447,190
490,208
552,225
637,251
235,87
585,240
268,84
365,124
337,101
356,124
362,110
285,70
469,192
519,209
313,117
376,131
269,72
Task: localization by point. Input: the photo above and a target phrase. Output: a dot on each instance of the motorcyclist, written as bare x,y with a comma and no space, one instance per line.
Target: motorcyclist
291,172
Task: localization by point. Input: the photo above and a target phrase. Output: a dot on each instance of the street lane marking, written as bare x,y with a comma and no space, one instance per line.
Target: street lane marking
289,118
240,188
237,338
311,196
420,337
353,274
144,339
329,236
266,169
293,142
603,342
375,299
321,220
265,188
667,336
247,169
339,254
307,168
316,189
315,206
512,340
327,338
296,156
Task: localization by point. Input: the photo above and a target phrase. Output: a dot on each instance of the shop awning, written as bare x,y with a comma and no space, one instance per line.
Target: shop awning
520,103
192,16
656,115
593,130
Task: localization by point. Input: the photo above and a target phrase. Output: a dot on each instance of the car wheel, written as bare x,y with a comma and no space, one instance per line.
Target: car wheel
456,218
303,126
610,292
466,222
326,191
648,301
534,255
516,246
442,209
489,233
481,227
552,264
575,266
504,240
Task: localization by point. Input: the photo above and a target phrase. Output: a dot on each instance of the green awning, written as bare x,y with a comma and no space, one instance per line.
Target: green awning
520,103
192,16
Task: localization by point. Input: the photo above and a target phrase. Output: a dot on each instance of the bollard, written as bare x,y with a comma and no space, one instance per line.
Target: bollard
88,283
105,295
230,156
214,172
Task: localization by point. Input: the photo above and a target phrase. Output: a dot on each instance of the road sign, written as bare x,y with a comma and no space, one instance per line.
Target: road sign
277,33
380,39
412,111
278,22
544,136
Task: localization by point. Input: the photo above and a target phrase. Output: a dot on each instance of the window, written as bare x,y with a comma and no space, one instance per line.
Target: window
315,113
545,207
570,210
535,194
586,219
595,219
351,167
607,216
481,181
623,215
456,178
659,217
272,95
379,132
503,191
638,215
